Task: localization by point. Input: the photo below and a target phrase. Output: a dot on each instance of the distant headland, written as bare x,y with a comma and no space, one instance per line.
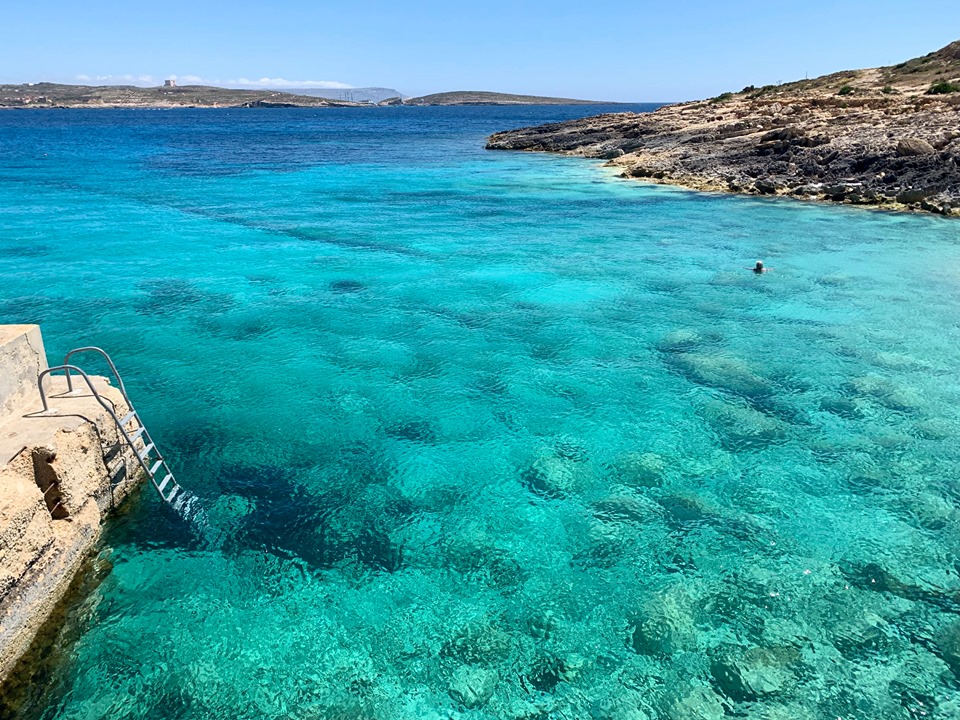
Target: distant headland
54,95
479,97
887,137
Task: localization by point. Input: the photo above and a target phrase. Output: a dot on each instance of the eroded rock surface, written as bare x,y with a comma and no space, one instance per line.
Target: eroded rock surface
882,136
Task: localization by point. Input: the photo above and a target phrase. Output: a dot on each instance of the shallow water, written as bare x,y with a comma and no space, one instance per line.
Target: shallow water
490,435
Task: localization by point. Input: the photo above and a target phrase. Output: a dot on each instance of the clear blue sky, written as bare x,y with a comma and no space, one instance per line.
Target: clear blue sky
604,49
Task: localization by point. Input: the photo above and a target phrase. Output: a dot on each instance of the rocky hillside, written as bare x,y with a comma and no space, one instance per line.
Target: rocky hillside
883,136
52,95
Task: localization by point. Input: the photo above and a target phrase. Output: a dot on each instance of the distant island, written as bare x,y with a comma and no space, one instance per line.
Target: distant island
887,137
54,95
478,97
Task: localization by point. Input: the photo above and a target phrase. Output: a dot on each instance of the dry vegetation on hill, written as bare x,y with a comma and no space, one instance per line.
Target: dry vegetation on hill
883,136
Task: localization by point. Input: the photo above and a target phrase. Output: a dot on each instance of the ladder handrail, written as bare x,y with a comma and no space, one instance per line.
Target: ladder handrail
113,368
184,504
103,403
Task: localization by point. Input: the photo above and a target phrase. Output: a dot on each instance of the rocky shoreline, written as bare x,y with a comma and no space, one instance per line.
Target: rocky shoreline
884,137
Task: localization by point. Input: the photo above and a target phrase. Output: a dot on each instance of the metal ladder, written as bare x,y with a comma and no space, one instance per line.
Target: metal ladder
147,455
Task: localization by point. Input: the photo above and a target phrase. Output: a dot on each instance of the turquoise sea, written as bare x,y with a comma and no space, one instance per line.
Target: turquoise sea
490,435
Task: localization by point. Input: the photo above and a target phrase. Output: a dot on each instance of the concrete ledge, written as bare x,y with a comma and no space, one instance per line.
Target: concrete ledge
22,359
55,486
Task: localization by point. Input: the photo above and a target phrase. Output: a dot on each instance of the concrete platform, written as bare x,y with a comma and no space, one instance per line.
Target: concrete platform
55,487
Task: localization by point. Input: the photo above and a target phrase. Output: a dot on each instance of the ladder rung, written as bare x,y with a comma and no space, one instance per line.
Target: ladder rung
153,470
128,417
146,451
135,435
163,483
173,493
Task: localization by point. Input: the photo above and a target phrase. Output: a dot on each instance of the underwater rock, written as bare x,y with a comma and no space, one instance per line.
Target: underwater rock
685,509
479,645
897,361
570,449
724,373
472,551
759,672
640,469
861,636
550,672
555,477
891,440
884,392
571,666
621,707
928,511
934,429
342,287
871,576
700,703
627,508
947,641
414,430
473,686
230,510
678,341
543,625
664,626
740,427
847,408
781,712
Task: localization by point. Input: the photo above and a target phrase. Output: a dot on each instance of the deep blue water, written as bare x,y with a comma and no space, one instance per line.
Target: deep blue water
491,435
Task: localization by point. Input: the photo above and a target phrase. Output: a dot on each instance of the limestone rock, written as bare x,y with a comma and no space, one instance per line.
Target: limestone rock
913,146
640,469
473,686
700,703
766,186
740,427
948,643
868,148
627,508
758,673
664,626
722,372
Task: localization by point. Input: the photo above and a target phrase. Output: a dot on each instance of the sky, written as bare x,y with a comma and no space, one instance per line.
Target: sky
620,50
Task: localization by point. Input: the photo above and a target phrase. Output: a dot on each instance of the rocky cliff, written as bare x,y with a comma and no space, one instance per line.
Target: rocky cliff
888,137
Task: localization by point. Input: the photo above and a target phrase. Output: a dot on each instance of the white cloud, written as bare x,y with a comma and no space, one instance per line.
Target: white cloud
261,83
283,83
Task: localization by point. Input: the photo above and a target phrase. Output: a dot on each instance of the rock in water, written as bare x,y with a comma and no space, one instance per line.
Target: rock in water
698,704
758,673
640,469
740,427
724,373
473,686
948,643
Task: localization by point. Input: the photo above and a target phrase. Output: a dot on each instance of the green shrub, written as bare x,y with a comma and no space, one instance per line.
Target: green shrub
846,90
888,90
723,97
943,87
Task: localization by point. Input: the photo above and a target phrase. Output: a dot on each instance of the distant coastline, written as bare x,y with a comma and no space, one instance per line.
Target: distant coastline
885,137
57,96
